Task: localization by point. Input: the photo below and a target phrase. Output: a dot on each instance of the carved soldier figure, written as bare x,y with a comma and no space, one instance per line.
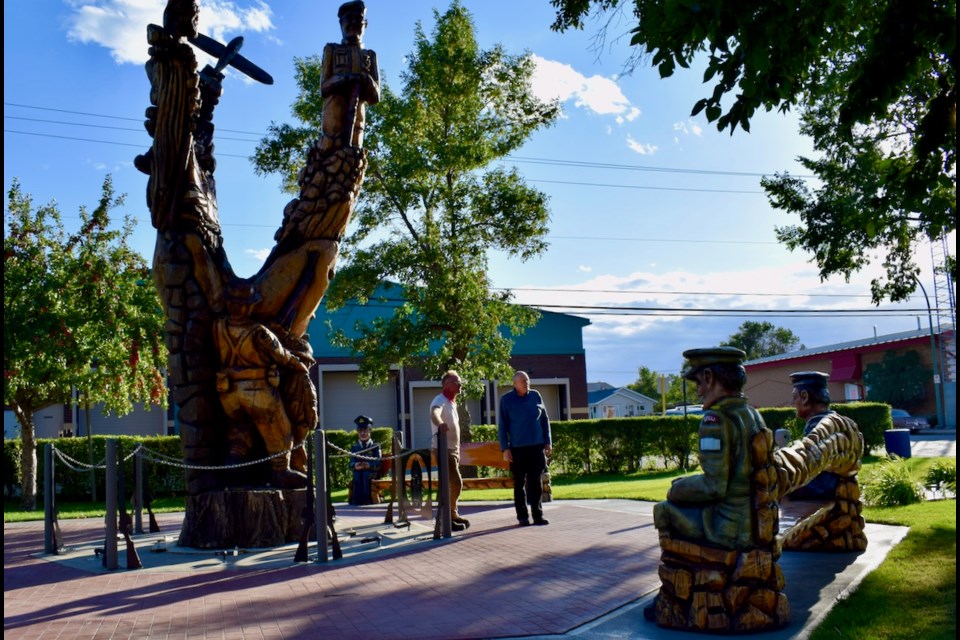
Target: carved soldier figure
715,506
251,357
351,79
811,399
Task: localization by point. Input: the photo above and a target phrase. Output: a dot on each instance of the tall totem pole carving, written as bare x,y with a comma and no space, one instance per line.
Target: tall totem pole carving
239,353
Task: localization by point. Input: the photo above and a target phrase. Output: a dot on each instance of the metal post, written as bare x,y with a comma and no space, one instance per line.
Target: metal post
110,520
321,514
937,381
138,493
49,544
443,462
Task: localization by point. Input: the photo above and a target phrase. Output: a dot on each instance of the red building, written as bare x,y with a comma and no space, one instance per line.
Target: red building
768,379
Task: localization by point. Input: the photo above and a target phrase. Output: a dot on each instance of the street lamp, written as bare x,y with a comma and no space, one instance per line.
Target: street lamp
935,360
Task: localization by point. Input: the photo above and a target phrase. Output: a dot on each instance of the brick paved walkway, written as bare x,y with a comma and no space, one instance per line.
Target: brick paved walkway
495,580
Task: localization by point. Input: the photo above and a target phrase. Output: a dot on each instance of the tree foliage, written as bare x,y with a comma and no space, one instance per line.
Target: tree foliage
648,383
80,312
762,339
430,210
900,379
876,85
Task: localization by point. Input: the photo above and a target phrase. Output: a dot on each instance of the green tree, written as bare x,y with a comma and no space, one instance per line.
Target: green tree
79,312
762,339
648,383
876,83
900,379
430,210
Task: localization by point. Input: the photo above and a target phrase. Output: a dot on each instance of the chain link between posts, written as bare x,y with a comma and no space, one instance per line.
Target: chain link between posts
162,458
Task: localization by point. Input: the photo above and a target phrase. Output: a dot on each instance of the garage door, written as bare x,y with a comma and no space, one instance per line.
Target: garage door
342,399
420,414
550,394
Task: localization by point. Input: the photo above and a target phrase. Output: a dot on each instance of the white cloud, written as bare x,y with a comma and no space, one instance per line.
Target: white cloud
120,25
688,128
640,147
258,254
601,95
584,268
617,343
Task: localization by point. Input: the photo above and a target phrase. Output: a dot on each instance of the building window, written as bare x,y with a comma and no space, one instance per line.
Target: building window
852,392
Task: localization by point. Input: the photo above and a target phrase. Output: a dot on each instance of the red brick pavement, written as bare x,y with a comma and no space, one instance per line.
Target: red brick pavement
494,580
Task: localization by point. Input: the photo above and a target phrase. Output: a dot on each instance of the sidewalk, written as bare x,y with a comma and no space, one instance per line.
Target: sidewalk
586,575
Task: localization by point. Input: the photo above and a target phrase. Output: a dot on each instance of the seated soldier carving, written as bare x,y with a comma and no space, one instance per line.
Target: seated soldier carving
811,399
715,506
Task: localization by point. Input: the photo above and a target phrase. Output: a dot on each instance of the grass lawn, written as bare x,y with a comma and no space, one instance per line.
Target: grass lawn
912,595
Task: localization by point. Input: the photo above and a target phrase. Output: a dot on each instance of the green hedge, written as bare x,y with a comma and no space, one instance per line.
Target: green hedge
612,445
73,484
618,445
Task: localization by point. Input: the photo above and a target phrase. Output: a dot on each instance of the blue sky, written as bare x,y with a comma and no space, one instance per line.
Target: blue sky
650,208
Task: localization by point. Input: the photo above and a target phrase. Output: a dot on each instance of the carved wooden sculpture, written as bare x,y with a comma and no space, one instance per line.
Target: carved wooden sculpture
720,535
239,353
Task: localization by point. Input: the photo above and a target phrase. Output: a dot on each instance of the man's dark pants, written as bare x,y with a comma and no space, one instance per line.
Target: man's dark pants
527,467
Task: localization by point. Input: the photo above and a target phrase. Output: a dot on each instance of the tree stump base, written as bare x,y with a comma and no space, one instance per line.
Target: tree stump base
840,530
253,518
713,590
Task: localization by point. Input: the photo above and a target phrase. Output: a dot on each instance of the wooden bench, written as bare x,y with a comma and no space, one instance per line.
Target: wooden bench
720,590
480,454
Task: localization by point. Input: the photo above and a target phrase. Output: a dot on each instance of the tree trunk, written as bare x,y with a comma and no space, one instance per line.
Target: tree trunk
28,459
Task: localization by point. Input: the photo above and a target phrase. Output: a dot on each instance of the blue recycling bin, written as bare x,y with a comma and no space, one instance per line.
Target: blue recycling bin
897,442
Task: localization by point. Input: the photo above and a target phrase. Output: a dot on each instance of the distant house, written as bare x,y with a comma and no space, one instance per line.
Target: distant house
619,402
768,379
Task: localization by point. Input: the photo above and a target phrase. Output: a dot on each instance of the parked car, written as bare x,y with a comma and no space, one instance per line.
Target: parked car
903,420
692,409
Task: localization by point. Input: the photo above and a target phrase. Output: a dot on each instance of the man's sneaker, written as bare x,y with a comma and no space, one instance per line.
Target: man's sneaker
458,526
541,522
462,521
524,522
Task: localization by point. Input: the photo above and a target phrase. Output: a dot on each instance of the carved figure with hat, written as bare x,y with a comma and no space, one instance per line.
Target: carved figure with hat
350,80
811,400
364,462
715,505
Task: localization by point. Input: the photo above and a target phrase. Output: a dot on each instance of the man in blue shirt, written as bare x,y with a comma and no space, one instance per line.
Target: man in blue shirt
524,431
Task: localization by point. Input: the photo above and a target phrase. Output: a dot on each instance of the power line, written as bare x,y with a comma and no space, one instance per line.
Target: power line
119,144
635,167
563,182
688,293
103,126
519,159
100,115
661,240
681,311
600,310
632,186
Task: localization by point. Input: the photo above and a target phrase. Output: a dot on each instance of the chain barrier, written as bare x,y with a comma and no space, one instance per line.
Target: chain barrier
162,458
348,454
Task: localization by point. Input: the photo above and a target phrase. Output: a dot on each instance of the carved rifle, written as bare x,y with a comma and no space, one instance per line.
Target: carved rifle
148,503
126,525
307,517
334,540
